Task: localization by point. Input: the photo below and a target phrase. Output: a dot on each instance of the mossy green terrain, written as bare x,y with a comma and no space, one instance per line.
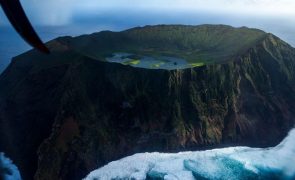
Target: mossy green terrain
65,114
197,64
131,62
209,43
156,65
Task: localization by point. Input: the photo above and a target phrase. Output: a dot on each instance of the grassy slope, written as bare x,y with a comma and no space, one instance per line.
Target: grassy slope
240,101
197,44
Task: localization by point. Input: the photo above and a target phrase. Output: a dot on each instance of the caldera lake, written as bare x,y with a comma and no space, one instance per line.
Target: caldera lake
149,62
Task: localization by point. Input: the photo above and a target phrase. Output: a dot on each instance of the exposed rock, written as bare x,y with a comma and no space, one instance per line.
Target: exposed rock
64,115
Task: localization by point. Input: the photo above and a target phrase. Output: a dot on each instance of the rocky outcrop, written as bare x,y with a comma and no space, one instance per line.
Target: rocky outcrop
64,115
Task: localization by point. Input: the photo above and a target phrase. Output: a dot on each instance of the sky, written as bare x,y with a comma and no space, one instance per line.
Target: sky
53,18
62,12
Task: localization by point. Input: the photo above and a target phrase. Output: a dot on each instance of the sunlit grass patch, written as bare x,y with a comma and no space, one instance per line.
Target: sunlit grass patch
157,65
197,64
131,62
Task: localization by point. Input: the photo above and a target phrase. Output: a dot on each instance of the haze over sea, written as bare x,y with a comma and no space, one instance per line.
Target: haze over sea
54,18
84,23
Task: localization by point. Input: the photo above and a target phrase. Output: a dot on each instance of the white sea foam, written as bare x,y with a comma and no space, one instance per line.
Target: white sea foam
227,163
8,171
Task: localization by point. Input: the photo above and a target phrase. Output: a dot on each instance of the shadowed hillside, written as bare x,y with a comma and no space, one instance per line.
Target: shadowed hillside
204,43
64,115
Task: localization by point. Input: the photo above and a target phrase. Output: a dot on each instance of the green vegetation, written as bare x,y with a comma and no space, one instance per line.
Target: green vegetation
102,111
131,62
197,64
156,65
211,43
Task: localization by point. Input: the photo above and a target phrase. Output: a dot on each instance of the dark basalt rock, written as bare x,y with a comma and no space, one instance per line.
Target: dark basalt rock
64,115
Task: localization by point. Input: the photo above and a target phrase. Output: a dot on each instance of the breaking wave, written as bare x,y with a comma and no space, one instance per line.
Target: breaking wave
227,163
8,171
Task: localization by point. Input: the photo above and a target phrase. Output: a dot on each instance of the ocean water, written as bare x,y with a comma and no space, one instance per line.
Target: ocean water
228,163
8,171
147,62
231,163
12,45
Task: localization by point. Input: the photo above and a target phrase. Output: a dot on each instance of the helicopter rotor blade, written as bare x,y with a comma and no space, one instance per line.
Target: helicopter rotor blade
21,24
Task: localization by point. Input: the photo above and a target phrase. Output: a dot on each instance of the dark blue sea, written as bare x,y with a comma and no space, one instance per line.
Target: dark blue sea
12,45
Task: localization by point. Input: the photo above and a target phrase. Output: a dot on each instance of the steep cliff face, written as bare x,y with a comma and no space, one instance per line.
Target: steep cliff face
66,114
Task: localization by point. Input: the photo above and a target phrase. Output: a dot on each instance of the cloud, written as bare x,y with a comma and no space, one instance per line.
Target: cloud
256,6
61,12
49,12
